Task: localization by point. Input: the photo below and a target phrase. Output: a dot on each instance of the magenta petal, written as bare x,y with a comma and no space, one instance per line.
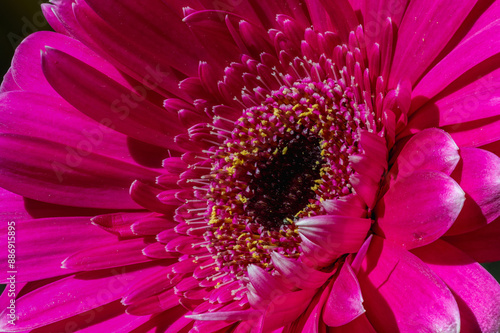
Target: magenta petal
8,83
286,308
479,177
27,70
298,273
360,324
349,205
341,15
479,40
481,244
12,207
155,28
55,173
375,13
265,285
420,208
476,291
454,106
227,315
110,317
431,149
147,196
151,70
53,119
73,295
360,256
107,101
402,294
345,302
41,238
425,30
315,255
335,233
476,133
118,223
365,187
311,319
119,253
149,285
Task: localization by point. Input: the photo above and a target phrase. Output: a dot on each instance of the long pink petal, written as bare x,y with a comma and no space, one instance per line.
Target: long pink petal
475,47
479,177
73,295
402,294
464,101
119,253
118,223
431,149
55,173
151,70
311,320
41,238
106,101
107,318
425,30
8,83
419,209
345,302
349,205
27,70
481,244
12,207
360,324
265,286
286,308
298,273
335,233
155,28
53,119
476,291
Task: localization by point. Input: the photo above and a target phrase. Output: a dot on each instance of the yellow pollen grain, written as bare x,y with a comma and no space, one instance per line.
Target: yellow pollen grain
238,161
241,198
231,170
284,150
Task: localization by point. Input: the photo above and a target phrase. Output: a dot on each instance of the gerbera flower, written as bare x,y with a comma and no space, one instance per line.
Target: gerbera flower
293,166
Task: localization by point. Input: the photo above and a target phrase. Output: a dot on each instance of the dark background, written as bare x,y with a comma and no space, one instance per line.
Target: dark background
19,18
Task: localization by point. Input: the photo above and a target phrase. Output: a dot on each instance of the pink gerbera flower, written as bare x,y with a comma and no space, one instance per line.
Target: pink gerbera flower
235,166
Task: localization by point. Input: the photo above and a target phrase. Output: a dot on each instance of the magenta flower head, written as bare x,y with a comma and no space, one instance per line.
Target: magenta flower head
253,166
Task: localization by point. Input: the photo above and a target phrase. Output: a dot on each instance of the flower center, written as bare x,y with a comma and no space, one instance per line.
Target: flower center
282,185
283,158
